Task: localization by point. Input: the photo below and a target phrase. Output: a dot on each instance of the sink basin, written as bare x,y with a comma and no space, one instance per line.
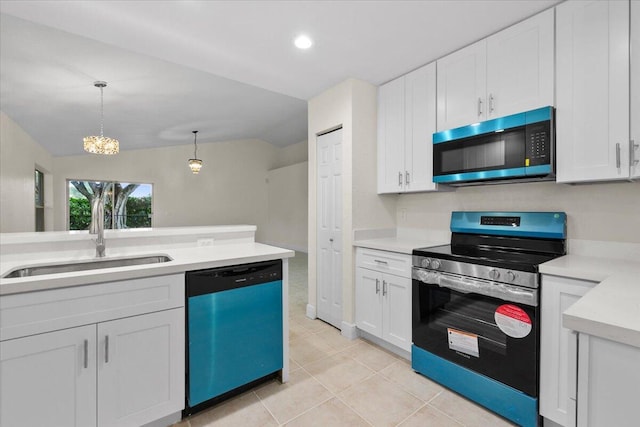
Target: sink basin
39,270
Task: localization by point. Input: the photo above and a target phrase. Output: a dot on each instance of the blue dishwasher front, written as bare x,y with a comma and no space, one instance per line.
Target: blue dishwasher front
234,330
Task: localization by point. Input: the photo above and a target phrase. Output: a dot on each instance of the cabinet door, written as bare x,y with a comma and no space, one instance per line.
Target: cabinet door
396,310
420,124
49,379
462,81
369,301
608,378
391,136
140,368
592,117
558,348
520,66
634,150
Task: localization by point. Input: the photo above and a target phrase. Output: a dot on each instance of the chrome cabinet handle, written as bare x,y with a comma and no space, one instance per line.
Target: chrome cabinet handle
400,179
491,103
106,349
618,155
384,288
377,286
379,261
86,353
407,177
479,107
331,239
632,153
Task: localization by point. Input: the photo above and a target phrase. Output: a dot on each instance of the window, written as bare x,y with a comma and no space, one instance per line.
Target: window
39,200
126,205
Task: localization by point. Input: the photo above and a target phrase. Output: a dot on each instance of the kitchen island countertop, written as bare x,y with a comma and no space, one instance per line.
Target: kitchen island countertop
224,245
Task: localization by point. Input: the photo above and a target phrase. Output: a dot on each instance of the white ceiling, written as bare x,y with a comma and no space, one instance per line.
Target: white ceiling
226,68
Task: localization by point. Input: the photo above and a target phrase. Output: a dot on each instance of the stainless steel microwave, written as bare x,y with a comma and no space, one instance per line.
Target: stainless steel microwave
515,148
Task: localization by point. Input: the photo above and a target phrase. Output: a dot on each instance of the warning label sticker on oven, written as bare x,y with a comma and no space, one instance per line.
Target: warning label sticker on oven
513,321
464,342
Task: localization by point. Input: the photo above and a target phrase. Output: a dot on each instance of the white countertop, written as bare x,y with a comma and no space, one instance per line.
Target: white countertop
611,309
185,256
401,240
396,244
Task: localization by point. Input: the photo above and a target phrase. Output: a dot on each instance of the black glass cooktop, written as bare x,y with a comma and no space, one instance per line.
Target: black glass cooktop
520,261
523,254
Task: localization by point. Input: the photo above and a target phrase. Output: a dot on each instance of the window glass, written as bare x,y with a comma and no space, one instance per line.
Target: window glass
126,204
39,199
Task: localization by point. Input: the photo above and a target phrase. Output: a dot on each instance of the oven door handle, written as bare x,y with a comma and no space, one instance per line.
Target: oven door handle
492,289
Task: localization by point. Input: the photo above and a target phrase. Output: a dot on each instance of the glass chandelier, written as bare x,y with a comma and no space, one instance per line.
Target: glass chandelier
195,164
101,144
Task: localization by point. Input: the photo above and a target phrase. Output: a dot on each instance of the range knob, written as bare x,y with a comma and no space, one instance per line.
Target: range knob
494,274
435,264
425,262
511,276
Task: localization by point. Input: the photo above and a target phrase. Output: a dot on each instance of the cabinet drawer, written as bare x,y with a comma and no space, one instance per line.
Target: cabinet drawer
383,261
44,311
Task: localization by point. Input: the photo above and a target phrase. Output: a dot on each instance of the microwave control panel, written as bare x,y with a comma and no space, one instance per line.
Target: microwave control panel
538,144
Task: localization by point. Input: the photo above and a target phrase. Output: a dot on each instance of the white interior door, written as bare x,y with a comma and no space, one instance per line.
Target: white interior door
329,193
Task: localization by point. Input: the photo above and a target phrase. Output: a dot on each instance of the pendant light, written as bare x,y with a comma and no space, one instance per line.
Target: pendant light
195,164
101,144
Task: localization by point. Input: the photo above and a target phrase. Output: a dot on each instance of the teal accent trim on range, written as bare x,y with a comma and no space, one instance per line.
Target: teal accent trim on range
502,399
235,337
548,225
493,125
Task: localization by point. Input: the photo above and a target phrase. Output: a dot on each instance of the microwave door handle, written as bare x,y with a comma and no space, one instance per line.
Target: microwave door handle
491,289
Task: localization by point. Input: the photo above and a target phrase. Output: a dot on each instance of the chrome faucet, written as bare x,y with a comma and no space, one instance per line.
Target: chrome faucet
97,225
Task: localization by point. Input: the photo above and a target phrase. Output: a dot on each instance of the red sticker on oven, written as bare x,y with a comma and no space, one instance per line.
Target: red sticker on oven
513,321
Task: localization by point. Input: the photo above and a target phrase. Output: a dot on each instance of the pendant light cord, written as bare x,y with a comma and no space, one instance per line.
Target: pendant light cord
101,112
195,144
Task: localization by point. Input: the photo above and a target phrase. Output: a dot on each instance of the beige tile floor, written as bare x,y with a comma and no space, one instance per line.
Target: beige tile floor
338,382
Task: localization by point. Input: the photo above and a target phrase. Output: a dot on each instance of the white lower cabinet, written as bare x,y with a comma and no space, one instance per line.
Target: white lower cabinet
139,368
608,378
49,379
112,371
558,349
383,300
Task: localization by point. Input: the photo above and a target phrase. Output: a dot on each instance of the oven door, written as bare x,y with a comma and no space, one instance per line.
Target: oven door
487,327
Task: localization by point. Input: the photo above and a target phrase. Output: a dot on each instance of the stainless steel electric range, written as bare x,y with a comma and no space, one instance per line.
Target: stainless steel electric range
476,308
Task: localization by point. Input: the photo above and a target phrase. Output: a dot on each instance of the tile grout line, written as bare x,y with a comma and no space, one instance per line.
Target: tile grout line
444,413
266,408
413,413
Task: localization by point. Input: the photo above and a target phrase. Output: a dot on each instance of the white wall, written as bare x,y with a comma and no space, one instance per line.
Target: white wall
351,104
19,156
608,212
292,154
288,190
231,188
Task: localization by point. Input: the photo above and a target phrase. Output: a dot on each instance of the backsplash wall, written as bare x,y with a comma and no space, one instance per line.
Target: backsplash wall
609,211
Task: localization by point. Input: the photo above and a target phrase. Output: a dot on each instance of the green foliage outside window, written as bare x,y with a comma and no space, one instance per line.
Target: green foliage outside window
128,211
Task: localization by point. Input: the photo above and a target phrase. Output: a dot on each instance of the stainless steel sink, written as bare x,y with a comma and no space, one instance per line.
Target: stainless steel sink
39,270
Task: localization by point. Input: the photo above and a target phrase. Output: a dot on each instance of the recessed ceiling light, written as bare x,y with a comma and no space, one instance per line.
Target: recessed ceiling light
303,42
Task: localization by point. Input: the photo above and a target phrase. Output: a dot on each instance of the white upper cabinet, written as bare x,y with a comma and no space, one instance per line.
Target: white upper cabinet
634,149
391,136
507,73
462,85
520,67
406,123
592,116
